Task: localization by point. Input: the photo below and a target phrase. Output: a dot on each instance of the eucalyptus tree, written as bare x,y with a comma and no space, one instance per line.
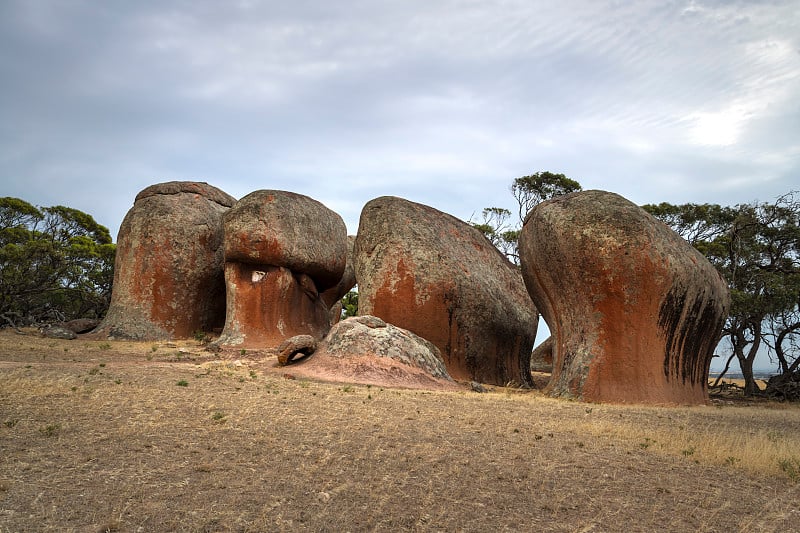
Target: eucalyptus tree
56,263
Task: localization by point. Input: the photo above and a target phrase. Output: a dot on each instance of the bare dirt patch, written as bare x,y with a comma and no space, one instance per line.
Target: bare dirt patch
98,436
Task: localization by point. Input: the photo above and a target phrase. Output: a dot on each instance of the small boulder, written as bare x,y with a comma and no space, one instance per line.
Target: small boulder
52,331
82,325
370,336
299,344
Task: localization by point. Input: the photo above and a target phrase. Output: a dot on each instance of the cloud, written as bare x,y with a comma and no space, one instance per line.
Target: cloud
444,103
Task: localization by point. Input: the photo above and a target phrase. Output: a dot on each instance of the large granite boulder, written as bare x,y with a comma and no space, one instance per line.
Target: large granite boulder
635,311
432,274
168,277
282,252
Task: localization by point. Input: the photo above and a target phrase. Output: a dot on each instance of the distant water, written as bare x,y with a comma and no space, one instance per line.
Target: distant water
738,375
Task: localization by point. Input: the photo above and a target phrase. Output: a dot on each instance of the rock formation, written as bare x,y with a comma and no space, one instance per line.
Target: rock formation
296,347
332,296
371,336
542,356
282,252
81,325
432,274
634,310
168,280
367,350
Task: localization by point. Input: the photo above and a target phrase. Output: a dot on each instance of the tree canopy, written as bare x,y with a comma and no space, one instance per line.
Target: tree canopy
529,191
56,263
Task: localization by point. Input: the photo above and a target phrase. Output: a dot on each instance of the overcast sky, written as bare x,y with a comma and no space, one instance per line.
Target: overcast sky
443,103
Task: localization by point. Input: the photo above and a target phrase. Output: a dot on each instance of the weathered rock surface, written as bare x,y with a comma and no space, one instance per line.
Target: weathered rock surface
347,281
303,345
168,278
81,325
370,336
634,310
542,356
53,331
432,274
282,250
366,350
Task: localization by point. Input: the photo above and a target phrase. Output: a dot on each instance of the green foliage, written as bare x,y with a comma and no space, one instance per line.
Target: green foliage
791,467
350,304
529,191
56,263
51,430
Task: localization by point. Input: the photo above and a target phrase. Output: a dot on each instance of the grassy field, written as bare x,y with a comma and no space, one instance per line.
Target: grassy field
106,436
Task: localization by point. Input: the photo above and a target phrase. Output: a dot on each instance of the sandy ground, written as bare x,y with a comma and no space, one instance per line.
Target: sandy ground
113,436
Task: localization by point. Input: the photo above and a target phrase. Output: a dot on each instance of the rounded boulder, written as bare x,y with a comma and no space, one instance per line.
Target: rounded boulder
634,310
289,230
168,272
438,277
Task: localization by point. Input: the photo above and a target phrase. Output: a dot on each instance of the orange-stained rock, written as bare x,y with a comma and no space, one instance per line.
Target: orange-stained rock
438,277
168,277
287,229
281,251
635,311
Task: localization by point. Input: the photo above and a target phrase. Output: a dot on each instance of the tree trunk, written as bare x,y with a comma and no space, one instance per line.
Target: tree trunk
779,351
725,370
750,385
746,361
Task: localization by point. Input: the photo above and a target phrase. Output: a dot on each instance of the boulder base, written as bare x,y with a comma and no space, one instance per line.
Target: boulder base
282,250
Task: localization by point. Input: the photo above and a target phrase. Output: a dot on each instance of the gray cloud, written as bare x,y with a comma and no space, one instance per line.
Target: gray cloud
443,104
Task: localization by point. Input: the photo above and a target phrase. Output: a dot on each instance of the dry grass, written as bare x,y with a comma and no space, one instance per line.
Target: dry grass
101,436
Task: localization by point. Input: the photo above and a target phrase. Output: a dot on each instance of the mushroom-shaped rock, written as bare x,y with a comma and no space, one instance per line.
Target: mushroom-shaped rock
168,273
432,274
282,250
634,310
